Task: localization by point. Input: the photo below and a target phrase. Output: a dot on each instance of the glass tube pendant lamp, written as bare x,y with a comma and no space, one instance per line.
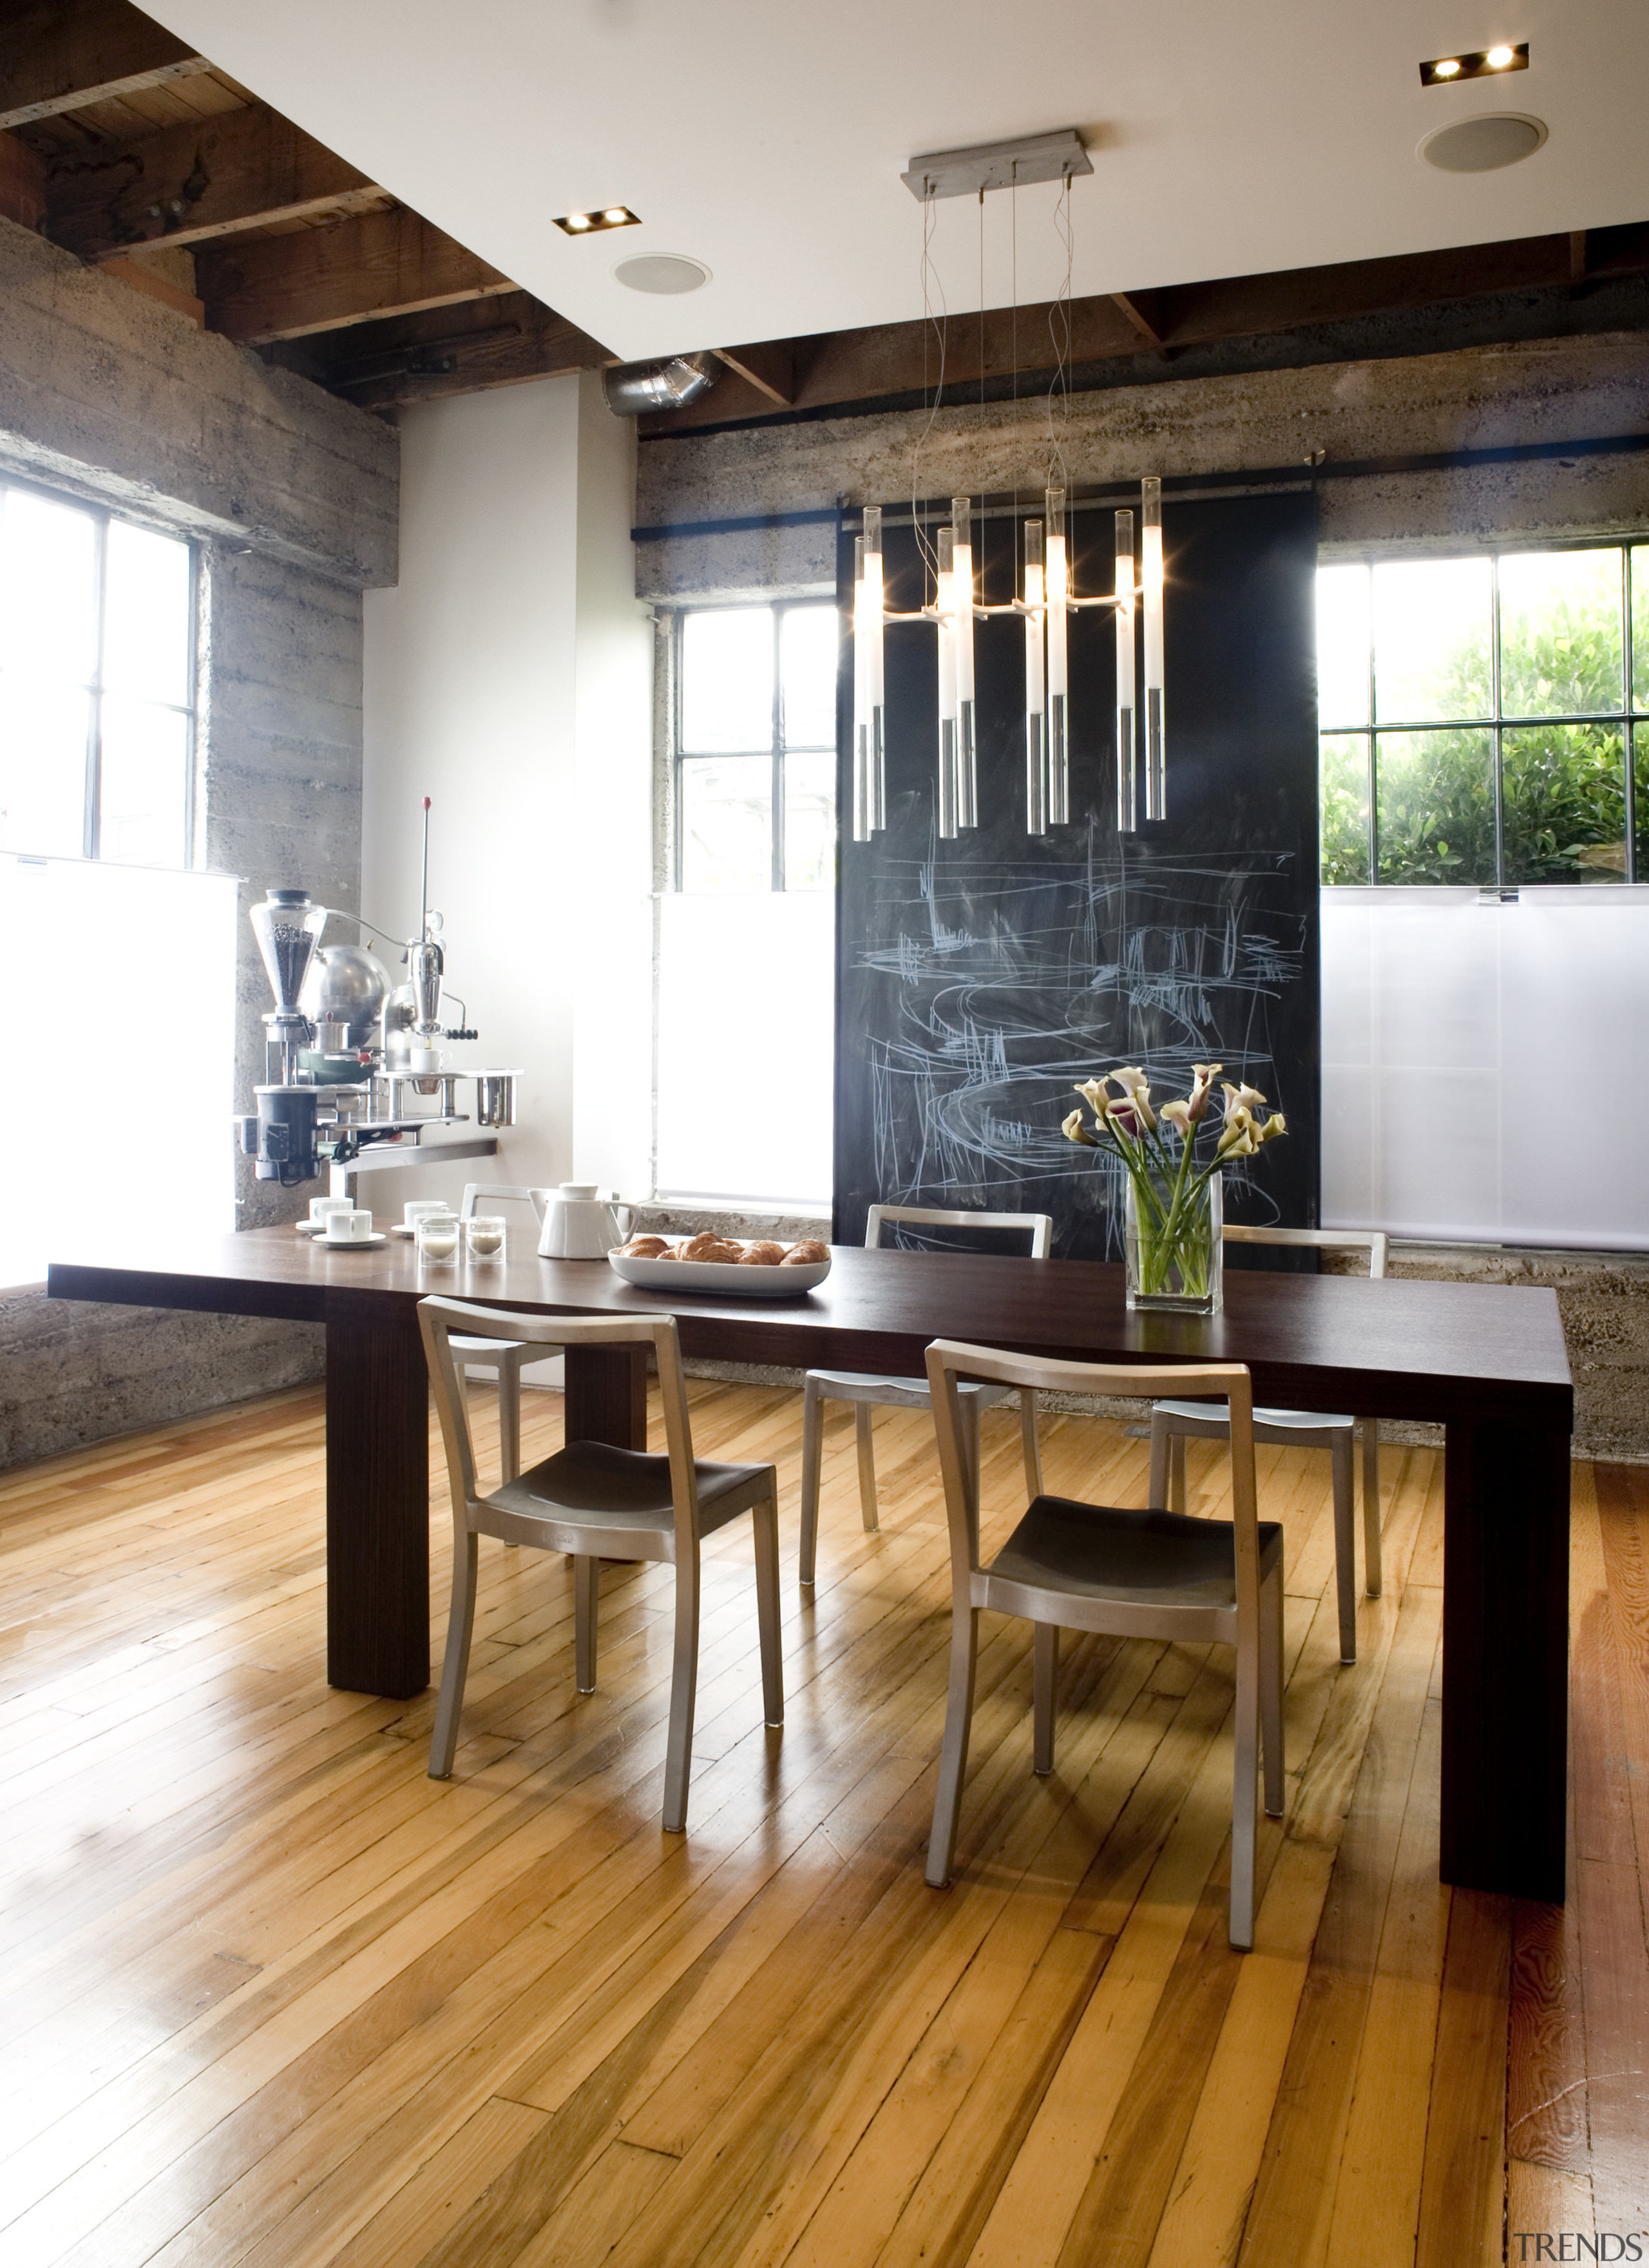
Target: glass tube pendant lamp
1059,588
1127,793
870,761
963,596
1035,740
1151,608
948,782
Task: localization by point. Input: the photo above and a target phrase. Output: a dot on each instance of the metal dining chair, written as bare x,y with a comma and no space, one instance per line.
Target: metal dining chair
599,1502
504,1357
1175,1423
868,1391
1150,1574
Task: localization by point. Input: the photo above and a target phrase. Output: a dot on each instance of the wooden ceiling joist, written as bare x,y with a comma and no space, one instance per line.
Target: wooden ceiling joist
71,55
241,170
505,340
896,359
321,279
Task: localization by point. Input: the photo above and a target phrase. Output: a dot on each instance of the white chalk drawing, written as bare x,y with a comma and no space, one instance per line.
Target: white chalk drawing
1012,982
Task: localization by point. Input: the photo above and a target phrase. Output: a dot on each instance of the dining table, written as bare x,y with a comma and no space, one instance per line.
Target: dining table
1486,1362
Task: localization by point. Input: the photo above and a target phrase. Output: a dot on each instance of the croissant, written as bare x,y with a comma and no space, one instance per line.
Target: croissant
708,1246
807,1254
762,1253
645,1248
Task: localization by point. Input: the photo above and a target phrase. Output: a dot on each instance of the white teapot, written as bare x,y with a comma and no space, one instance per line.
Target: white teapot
580,1224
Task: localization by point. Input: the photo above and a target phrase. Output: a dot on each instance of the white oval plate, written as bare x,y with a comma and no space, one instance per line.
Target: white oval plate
326,1244
725,1278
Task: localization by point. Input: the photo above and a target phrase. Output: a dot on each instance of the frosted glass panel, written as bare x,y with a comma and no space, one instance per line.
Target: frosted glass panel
728,680
1451,1032
746,1046
82,1174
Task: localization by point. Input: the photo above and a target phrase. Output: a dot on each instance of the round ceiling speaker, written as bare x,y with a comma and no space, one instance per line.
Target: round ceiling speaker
662,272
1482,145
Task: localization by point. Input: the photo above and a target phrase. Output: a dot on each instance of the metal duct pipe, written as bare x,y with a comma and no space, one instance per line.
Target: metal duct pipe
634,387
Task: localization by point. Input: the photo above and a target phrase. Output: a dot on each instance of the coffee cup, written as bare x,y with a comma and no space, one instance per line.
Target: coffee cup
348,1226
320,1209
413,1211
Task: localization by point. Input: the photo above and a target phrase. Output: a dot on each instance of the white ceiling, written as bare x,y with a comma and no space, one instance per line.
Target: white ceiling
766,140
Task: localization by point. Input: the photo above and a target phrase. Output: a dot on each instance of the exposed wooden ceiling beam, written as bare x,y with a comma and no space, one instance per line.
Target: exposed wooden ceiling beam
505,340
68,55
900,358
320,279
239,170
769,367
1131,314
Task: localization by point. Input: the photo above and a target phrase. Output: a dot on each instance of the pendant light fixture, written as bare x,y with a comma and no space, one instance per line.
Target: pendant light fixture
1045,602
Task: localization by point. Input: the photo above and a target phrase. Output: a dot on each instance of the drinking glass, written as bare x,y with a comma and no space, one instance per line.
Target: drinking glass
437,1234
484,1236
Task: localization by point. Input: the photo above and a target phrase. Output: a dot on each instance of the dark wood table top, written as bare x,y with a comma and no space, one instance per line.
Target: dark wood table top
1394,1349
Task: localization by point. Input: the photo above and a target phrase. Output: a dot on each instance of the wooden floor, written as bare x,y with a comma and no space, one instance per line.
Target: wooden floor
273,1995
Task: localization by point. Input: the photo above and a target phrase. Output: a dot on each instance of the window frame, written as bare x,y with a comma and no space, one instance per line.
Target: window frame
778,750
1631,719
103,517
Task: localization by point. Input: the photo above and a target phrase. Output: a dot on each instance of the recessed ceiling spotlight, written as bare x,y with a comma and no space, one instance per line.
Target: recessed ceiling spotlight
663,272
1487,62
1481,145
585,224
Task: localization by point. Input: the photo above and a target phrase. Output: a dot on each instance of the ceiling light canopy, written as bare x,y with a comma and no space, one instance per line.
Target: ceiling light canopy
1482,63
587,224
1483,145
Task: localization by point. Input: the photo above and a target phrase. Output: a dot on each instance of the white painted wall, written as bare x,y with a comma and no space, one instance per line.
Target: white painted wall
507,677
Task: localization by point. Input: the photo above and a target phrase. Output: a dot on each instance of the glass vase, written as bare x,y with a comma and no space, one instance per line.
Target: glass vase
1171,1248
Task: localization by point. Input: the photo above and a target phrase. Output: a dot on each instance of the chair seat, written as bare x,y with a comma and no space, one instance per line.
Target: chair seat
1144,1558
869,1386
1286,1421
627,1487
485,1350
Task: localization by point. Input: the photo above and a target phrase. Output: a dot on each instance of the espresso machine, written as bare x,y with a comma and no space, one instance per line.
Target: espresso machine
348,1059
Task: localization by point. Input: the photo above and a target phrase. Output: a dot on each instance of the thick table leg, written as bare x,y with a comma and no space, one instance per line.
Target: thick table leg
607,1395
1506,1660
378,1505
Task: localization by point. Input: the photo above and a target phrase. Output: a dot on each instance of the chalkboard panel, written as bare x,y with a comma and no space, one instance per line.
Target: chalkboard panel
979,979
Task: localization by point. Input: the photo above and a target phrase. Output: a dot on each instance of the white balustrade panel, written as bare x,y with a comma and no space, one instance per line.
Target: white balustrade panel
746,1009
1485,1068
121,1050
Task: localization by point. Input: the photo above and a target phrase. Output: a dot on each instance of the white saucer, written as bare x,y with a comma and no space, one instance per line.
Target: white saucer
396,1228
359,1244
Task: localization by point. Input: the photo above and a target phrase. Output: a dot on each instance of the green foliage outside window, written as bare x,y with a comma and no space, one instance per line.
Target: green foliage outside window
1562,778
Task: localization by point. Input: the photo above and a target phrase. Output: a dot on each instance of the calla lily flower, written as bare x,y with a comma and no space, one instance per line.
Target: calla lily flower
1133,1084
1074,1130
1181,1116
1236,1139
1241,1098
1274,1124
1198,1100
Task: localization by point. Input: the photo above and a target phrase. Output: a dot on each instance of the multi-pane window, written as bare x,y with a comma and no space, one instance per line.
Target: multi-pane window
97,684
756,748
1486,720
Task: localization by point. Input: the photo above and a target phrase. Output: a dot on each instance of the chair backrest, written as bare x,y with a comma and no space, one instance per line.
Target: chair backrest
1374,1242
1039,1225
441,1319
502,1193
949,1360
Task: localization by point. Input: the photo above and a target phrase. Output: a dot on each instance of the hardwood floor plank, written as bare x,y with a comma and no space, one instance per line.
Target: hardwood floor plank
274,2000
1463,2191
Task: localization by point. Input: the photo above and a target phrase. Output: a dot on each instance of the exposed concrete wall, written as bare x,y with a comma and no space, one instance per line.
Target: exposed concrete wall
1540,390
294,496
103,388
